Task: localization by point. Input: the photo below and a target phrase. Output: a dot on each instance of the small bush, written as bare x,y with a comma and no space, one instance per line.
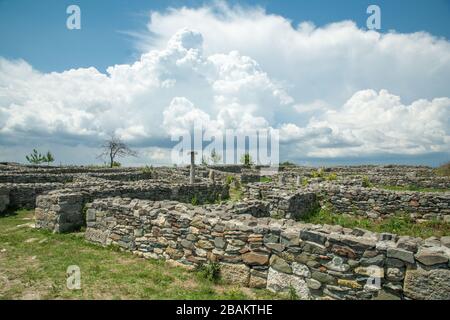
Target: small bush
317,173
116,164
305,182
229,180
210,271
194,201
147,170
292,293
366,182
331,177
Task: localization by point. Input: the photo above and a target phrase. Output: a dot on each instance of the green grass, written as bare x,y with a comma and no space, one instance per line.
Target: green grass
33,265
265,179
235,194
400,224
412,188
443,170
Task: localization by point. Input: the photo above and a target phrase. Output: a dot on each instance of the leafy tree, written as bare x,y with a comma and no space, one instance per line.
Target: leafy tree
246,159
49,158
35,157
215,157
115,148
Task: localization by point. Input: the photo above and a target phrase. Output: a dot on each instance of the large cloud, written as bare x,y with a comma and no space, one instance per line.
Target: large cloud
332,91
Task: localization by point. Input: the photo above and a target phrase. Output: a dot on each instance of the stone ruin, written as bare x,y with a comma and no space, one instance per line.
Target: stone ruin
259,241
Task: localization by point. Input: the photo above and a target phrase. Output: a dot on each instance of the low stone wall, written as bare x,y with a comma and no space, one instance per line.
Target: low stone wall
280,255
61,210
23,195
6,177
283,202
351,199
376,203
4,198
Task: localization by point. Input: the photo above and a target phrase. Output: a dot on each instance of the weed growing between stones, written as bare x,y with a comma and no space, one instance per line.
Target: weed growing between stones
366,182
292,293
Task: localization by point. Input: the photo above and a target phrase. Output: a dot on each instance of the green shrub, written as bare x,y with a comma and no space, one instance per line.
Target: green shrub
317,173
331,177
147,170
116,164
292,293
209,271
194,201
366,182
246,159
305,182
229,180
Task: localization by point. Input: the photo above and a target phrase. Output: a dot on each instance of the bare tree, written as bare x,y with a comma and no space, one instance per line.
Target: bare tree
115,148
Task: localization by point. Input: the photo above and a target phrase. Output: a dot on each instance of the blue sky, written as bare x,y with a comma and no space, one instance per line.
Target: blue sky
146,70
35,30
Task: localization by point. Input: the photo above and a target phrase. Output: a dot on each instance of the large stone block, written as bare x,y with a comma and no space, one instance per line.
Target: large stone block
427,285
235,273
282,282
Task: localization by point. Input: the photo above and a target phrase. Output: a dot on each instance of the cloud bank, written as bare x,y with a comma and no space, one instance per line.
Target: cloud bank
334,92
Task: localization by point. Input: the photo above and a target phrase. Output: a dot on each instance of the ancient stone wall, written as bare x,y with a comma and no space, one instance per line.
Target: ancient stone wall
376,203
369,202
277,254
62,210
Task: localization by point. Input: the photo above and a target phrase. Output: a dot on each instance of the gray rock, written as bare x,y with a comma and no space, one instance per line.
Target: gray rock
280,264
400,254
429,258
427,285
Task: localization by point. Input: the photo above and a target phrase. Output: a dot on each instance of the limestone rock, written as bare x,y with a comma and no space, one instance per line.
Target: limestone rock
235,273
282,282
427,285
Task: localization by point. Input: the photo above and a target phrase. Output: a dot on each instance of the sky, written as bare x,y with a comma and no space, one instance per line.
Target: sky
337,92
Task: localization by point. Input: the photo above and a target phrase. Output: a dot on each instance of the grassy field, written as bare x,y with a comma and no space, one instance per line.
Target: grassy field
33,265
400,224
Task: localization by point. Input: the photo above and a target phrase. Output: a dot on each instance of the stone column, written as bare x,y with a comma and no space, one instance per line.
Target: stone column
298,180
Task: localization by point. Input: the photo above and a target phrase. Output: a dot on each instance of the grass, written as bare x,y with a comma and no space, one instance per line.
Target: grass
400,224
235,194
33,265
412,188
443,170
265,179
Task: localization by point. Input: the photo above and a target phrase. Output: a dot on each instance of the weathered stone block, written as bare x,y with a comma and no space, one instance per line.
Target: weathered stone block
427,285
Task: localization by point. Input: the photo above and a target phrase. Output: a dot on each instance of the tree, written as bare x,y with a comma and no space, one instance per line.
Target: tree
35,157
246,159
114,148
49,158
215,157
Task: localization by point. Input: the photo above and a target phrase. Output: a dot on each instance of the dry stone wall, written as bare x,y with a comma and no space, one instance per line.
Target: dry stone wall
316,261
62,210
369,202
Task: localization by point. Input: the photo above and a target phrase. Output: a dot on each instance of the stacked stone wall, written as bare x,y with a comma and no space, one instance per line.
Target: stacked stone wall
280,255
